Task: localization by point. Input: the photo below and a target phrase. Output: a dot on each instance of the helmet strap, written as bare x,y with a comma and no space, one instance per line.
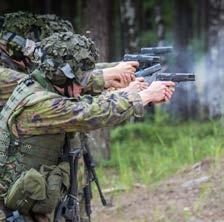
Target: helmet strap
36,31
66,87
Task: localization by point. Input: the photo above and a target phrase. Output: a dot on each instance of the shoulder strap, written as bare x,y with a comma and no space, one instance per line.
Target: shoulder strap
23,90
38,75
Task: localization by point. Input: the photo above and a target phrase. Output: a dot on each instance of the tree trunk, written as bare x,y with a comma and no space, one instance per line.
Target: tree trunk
95,19
129,25
215,80
115,35
202,21
159,24
201,28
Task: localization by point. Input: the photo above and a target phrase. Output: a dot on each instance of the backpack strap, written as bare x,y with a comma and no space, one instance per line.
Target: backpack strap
23,90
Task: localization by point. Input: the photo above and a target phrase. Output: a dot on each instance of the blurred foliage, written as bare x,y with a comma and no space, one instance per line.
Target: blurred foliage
166,6
148,36
149,151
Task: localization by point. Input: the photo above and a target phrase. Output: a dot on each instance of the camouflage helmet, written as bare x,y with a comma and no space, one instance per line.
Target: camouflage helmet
34,27
20,30
53,24
66,56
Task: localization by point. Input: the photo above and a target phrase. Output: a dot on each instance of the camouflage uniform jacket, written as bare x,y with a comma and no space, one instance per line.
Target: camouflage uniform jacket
9,79
45,113
103,65
61,114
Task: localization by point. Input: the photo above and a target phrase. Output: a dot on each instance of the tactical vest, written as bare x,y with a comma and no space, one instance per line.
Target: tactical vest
16,153
8,81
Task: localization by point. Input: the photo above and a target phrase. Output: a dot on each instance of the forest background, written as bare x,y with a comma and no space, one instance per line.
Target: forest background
175,135
194,28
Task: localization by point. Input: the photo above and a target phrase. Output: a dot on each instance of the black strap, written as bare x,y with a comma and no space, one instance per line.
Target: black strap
66,87
36,31
89,163
11,37
68,208
66,147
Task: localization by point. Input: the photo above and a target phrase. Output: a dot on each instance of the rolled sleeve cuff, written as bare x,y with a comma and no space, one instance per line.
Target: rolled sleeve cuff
98,81
137,105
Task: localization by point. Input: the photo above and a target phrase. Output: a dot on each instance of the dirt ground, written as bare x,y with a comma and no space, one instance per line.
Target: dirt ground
195,194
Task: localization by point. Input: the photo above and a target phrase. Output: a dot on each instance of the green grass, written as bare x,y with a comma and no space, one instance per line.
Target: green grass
148,152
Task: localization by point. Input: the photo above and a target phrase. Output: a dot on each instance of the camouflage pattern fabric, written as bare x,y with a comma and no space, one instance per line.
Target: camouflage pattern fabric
54,24
126,104
24,23
67,56
45,112
8,81
83,114
103,65
19,23
29,28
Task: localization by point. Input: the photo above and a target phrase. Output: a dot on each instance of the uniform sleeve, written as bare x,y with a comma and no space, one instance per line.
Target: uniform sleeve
96,83
103,65
8,81
63,115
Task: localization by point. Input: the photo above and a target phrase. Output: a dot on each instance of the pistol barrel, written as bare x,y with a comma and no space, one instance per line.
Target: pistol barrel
176,77
157,50
141,58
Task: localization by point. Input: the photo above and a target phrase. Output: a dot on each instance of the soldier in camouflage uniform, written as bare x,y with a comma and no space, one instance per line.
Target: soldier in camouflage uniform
16,51
9,78
17,28
43,109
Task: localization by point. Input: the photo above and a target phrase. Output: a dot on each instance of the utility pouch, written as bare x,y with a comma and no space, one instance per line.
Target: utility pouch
57,177
28,188
39,192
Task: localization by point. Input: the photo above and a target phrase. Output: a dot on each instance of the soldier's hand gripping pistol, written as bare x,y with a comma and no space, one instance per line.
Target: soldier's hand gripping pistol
150,67
68,208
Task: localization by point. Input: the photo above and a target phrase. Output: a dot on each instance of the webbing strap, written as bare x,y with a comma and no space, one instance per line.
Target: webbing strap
18,95
42,81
